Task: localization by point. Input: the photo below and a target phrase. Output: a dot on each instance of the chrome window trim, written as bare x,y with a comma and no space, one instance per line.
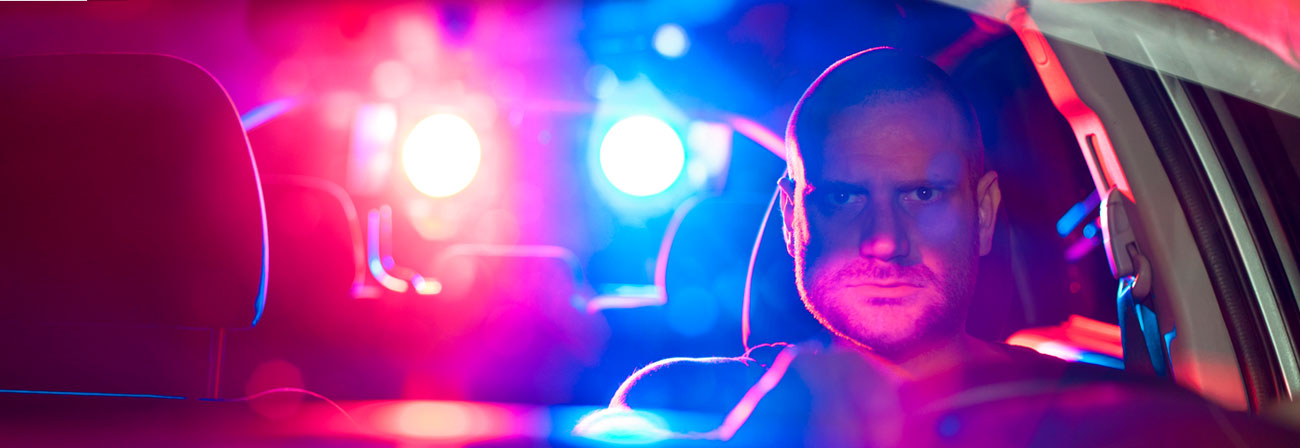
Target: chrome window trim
1242,237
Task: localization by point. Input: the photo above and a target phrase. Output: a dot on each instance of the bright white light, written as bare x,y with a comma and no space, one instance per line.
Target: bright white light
641,155
441,155
670,40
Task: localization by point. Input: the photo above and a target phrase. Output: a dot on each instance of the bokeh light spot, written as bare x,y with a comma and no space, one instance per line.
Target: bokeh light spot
641,155
670,40
433,420
441,155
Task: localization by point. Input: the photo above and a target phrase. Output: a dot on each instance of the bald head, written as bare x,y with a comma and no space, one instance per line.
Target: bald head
888,208
881,90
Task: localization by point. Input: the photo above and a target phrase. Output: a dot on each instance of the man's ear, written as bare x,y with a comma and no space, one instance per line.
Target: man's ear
988,196
786,186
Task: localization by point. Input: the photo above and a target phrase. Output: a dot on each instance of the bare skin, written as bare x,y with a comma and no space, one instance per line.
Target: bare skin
887,226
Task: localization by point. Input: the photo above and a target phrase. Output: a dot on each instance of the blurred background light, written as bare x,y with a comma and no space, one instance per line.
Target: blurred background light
642,155
441,155
373,130
670,40
392,79
625,427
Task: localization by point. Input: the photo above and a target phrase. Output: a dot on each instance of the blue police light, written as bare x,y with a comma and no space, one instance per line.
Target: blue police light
641,155
670,40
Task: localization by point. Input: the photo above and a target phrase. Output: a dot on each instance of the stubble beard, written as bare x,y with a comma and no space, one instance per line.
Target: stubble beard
939,316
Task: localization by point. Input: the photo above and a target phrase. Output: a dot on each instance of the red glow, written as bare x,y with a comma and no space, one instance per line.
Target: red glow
1078,333
425,421
1269,23
272,375
392,79
1088,128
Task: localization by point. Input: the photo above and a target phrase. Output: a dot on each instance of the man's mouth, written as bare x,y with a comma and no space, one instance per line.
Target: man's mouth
885,293
888,285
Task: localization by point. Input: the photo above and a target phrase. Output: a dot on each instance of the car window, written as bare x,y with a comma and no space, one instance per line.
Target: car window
1267,146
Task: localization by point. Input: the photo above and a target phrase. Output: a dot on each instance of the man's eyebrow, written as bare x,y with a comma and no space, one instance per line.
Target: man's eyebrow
933,183
838,186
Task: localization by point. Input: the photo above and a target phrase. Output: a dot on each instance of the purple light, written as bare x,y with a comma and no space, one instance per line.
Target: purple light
264,113
1081,248
372,255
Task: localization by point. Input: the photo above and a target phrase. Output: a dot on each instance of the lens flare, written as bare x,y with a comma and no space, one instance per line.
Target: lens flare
441,155
641,155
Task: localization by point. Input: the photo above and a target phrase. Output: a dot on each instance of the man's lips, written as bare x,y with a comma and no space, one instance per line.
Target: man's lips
885,285
884,293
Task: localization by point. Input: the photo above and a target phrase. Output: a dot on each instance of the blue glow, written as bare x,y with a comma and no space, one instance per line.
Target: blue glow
264,113
1090,230
624,427
693,312
642,155
1101,360
87,394
259,304
670,41
373,261
1077,212
948,426
1169,339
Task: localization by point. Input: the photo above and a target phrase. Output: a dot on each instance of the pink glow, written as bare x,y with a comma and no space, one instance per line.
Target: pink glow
759,134
373,259
739,414
1081,248
1077,334
1269,23
380,259
358,289
437,421
447,420
596,424
1088,129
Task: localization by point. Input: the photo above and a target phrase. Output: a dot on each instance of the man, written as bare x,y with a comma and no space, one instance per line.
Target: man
887,208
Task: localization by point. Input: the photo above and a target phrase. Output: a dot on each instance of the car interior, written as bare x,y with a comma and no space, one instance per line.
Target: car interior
445,223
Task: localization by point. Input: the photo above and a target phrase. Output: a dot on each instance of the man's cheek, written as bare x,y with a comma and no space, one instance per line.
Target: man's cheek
939,224
826,241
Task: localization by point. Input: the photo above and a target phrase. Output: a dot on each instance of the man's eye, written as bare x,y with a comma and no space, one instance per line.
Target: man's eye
840,198
922,194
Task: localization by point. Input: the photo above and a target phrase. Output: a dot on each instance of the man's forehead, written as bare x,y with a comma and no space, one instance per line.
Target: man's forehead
863,167
891,134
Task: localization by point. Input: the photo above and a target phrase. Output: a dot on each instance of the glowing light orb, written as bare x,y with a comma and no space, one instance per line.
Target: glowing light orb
670,40
441,155
641,155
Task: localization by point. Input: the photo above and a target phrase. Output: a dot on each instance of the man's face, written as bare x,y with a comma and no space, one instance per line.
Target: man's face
888,228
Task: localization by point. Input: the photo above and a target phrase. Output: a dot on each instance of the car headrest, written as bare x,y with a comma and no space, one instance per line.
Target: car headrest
130,195
776,314
705,274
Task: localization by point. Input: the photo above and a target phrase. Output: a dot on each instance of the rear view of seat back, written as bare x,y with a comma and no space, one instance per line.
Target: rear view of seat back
132,224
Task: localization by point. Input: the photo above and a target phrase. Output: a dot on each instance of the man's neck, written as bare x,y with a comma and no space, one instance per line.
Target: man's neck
937,357
945,356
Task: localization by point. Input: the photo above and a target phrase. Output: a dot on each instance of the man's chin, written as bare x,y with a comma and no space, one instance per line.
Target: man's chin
888,346
888,328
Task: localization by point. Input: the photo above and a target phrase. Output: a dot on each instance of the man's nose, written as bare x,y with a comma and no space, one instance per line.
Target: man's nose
883,235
